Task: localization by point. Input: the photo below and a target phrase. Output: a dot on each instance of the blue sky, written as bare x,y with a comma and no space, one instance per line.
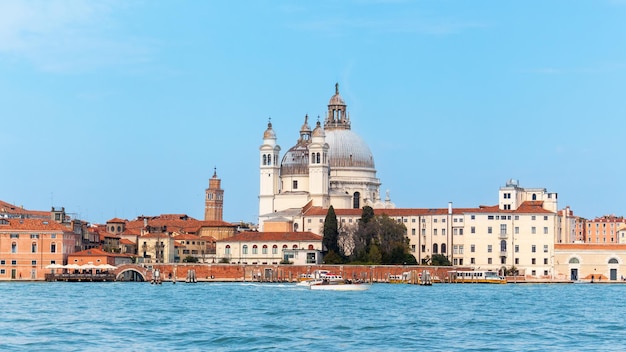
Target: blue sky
124,108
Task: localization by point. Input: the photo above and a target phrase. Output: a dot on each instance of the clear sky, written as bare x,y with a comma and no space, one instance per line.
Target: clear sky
124,108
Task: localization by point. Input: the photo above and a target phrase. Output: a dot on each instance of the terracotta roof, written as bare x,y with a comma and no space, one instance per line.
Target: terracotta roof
187,236
12,209
589,246
117,221
32,225
253,236
155,235
126,241
93,252
525,207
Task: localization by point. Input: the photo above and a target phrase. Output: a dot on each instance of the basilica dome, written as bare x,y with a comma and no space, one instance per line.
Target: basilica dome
348,149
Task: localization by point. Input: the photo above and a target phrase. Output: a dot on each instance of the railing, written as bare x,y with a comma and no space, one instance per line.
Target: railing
80,277
503,236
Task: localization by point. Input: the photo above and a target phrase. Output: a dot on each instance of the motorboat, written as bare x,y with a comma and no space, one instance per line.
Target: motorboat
345,285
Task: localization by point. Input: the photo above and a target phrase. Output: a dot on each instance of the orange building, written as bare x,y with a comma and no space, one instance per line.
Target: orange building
27,246
601,230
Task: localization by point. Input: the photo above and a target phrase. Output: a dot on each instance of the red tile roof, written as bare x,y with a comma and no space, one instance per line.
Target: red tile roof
253,236
32,225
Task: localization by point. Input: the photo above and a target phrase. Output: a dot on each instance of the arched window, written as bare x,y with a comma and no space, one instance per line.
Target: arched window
255,249
284,246
13,247
264,159
443,248
269,159
574,261
244,249
33,247
356,200
274,249
312,158
503,246
53,247
534,196
227,250
295,246
264,250
613,261
311,247
295,227
435,248
317,158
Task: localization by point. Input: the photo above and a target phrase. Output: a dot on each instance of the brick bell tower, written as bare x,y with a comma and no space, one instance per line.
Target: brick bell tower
214,199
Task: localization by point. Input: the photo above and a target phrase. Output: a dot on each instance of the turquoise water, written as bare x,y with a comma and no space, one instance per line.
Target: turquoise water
270,317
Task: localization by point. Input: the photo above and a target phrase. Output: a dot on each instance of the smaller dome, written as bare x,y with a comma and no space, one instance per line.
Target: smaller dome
269,132
336,99
305,127
318,131
295,161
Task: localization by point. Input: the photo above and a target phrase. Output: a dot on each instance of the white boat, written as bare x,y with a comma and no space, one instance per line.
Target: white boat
318,277
476,277
326,285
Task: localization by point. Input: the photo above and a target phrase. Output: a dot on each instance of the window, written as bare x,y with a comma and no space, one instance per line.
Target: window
413,232
227,250
489,248
461,232
264,249
15,235
3,262
472,260
33,247
516,261
517,230
545,230
295,184
435,232
443,248
423,248
13,247
13,262
545,261
533,248
533,217
473,217
435,248
295,246
516,217
443,232
533,230
255,249
413,248
53,247
34,235
490,217
503,229
489,229
356,200
244,249
533,261
545,217
472,248
489,261
545,248
53,236
517,248
275,249
473,229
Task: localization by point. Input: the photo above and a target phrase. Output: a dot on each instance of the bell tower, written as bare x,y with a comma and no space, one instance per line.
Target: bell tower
269,171
214,199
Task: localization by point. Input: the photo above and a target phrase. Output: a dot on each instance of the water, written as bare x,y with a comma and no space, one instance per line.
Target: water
271,317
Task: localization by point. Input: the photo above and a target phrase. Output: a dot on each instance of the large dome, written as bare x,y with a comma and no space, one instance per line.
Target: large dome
348,149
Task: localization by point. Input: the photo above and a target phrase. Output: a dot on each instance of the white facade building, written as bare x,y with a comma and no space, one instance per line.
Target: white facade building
329,165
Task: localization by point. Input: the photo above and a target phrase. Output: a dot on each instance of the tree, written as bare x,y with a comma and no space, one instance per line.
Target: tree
190,259
331,231
440,260
332,258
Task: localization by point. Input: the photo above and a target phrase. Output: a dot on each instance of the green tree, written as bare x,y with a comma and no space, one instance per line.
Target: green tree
190,259
332,258
331,232
440,260
374,256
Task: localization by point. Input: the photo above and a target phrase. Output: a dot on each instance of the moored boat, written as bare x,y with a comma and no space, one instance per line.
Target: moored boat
317,277
476,277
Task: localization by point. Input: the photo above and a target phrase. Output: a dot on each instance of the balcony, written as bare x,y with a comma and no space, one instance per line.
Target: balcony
503,254
503,236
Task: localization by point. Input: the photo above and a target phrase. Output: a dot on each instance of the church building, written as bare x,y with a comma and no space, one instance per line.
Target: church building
328,165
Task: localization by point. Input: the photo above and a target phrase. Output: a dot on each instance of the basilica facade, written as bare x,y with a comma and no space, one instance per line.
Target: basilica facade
329,165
